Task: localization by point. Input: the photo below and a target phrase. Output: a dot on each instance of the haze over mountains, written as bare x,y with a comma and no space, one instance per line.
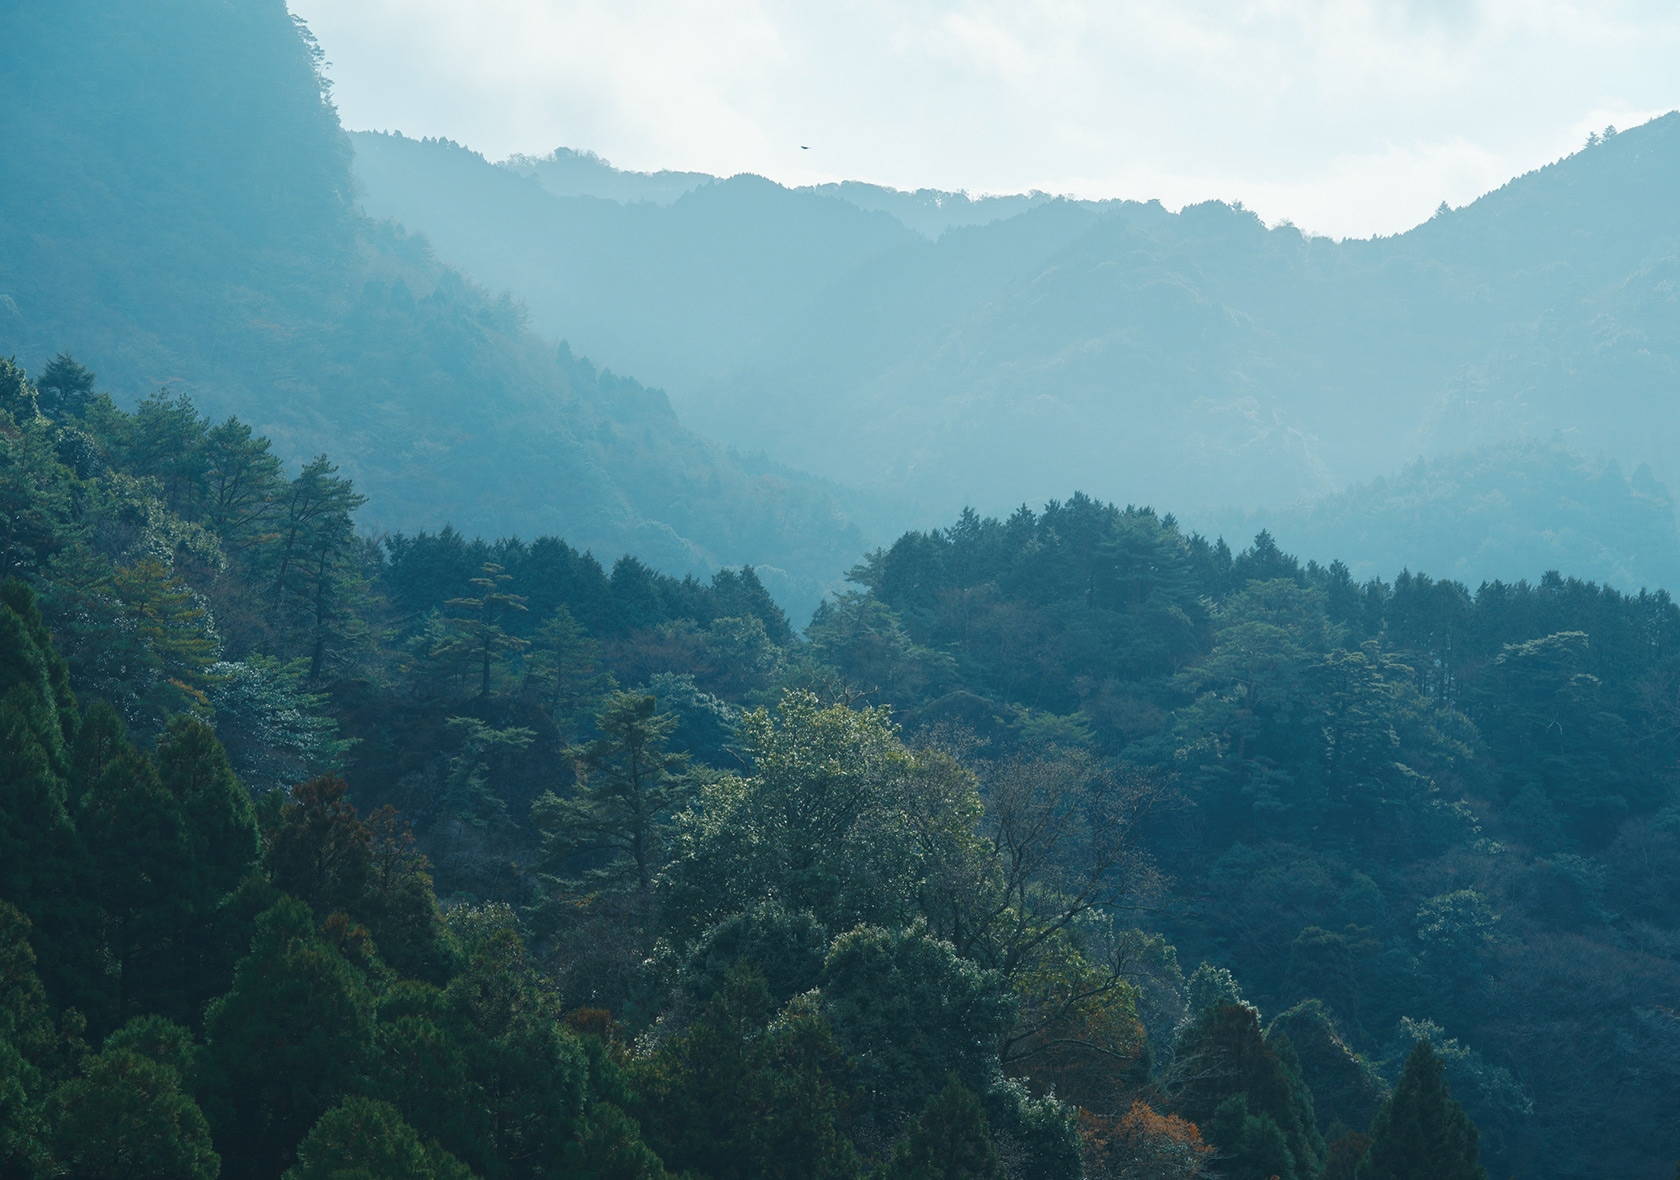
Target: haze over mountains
1196,359
178,211
182,212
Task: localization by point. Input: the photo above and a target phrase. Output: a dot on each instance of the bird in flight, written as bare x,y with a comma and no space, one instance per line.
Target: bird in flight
803,148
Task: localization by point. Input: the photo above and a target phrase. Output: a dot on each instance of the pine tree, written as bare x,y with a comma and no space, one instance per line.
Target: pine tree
477,638
64,387
628,786
1422,1133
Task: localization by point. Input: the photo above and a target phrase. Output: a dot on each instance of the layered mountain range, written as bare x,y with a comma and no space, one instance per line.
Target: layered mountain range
812,370
942,351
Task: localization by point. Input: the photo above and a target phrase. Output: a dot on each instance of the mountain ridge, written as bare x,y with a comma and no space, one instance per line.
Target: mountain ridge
180,213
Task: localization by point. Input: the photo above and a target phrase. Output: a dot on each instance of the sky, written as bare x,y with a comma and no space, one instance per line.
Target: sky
1346,117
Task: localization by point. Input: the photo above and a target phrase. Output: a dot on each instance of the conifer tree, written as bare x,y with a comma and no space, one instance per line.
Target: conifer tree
628,785
1422,1133
950,1140
64,387
477,638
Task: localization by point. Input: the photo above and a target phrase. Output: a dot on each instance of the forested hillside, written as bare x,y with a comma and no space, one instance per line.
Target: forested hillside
1196,358
1496,512
178,211
1068,844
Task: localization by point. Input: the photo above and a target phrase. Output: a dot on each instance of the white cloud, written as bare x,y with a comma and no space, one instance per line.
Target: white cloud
1346,116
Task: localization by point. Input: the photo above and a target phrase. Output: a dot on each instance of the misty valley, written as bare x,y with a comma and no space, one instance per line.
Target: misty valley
528,669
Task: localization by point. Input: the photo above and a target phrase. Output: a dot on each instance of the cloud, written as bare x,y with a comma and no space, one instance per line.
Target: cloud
1347,116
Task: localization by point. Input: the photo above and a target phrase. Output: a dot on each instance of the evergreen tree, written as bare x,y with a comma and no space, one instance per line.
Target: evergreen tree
369,1140
65,387
619,814
1222,1055
136,833
291,1038
126,1115
17,393
244,482
477,638
950,1140
1422,1133
564,669
44,870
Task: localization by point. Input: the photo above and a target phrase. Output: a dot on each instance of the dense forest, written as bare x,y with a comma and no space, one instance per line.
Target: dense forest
423,755
1067,844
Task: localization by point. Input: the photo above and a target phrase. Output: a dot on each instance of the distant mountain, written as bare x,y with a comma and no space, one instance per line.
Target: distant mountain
1195,358
566,172
1505,512
177,209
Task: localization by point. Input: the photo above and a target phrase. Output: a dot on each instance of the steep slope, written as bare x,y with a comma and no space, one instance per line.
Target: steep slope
178,209
679,294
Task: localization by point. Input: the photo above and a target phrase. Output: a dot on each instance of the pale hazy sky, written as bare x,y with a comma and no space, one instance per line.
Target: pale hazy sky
1349,118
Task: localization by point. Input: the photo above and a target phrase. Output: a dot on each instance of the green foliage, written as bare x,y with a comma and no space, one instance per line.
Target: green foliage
1421,1131
127,1115
25,1020
618,821
292,1037
276,731
1210,987
1221,1057
65,388
1250,1147
43,865
1345,1088
746,1093
949,1140
912,1013
828,822
364,1138
787,949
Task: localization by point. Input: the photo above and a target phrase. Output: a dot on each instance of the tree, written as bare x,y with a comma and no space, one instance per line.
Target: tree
530,1068
837,818
1142,1145
620,813
17,395
1421,1132
37,516
1062,855
318,848
137,635
243,482
165,441
563,668
135,831
949,1140
275,730
1252,1146
65,387
742,1094
1220,1056
913,1014
127,1117
126,1114
369,1140
476,638
1345,1088
44,870
291,1038
220,825
315,538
